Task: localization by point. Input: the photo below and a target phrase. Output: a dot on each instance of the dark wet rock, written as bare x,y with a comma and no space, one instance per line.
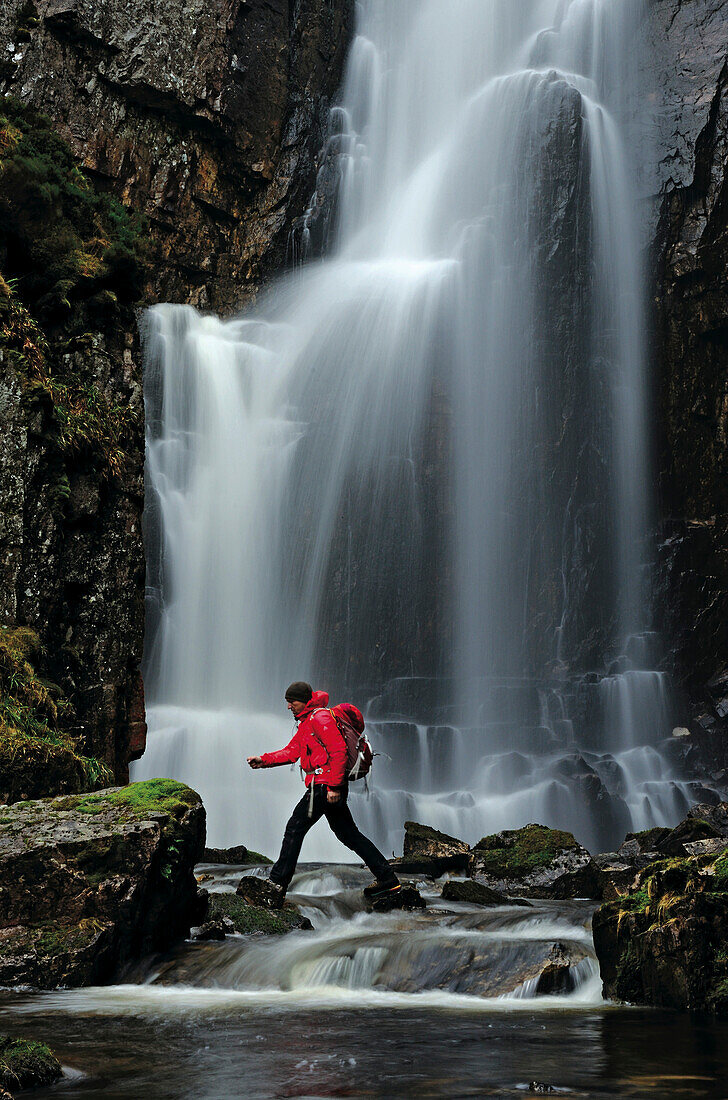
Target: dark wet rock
429,852
212,930
557,976
616,873
90,882
408,897
25,1064
688,831
260,891
715,815
475,893
251,919
535,862
478,968
664,942
688,53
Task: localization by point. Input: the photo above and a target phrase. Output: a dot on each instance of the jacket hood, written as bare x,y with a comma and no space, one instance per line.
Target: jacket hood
318,699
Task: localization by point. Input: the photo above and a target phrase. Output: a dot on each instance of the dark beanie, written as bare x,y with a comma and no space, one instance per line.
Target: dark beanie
299,691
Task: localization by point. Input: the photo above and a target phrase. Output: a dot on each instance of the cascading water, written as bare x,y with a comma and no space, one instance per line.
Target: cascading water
417,470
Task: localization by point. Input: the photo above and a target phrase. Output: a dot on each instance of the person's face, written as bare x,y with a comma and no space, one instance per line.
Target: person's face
296,706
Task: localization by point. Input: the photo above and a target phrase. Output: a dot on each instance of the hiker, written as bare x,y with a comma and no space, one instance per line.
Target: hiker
319,746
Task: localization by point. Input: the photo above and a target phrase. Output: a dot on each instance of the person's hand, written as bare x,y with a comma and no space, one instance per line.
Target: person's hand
255,762
333,796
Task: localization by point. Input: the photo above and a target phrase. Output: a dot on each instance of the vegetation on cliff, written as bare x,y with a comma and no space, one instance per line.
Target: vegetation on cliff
38,752
71,263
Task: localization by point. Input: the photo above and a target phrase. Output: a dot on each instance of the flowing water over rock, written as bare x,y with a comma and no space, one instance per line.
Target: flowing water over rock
456,1001
417,472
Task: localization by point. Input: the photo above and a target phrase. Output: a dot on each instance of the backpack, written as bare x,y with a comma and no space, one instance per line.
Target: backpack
359,752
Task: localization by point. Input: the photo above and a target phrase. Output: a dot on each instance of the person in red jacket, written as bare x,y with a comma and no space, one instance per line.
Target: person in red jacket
321,750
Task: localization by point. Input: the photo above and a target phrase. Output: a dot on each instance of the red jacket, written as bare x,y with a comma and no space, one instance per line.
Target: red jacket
317,743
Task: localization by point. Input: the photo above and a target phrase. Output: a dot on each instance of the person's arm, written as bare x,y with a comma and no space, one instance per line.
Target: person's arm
288,755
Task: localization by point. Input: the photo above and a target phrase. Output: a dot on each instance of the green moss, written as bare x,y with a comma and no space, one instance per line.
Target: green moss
719,879
516,854
160,796
252,918
25,1064
256,857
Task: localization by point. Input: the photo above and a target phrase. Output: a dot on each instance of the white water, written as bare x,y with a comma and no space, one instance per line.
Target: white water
308,517
458,957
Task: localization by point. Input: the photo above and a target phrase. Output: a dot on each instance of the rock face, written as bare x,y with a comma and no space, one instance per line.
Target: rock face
665,941
90,882
689,257
536,862
206,116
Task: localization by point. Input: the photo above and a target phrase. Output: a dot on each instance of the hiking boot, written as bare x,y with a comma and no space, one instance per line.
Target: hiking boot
261,891
378,889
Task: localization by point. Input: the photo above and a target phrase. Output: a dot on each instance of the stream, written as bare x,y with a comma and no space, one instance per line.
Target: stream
436,1003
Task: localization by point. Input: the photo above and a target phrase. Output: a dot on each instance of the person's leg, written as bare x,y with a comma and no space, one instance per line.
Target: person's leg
298,825
344,829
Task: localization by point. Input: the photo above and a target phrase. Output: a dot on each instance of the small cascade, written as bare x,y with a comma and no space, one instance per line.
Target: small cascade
461,953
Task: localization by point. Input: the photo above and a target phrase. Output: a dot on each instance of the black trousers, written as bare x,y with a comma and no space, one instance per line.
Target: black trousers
342,826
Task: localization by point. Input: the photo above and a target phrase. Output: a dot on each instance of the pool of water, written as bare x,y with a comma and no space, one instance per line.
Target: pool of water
425,1005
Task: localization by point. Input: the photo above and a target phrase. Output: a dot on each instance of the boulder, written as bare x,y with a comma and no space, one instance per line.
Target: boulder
666,941
90,882
535,862
408,897
475,893
233,856
250,919
429,852
259,891
25,1064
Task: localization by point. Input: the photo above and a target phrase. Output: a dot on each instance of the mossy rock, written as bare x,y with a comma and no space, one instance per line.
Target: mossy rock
649,839
25,1064
253,919
151,796
237,856
516,853
665,942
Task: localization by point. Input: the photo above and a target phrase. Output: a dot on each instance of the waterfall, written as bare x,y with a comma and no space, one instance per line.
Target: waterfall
417,471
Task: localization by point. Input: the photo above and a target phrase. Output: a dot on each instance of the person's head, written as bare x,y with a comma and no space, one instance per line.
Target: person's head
298,694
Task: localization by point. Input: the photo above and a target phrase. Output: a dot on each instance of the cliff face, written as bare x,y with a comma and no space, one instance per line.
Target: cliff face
201,122
205,115
690,256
